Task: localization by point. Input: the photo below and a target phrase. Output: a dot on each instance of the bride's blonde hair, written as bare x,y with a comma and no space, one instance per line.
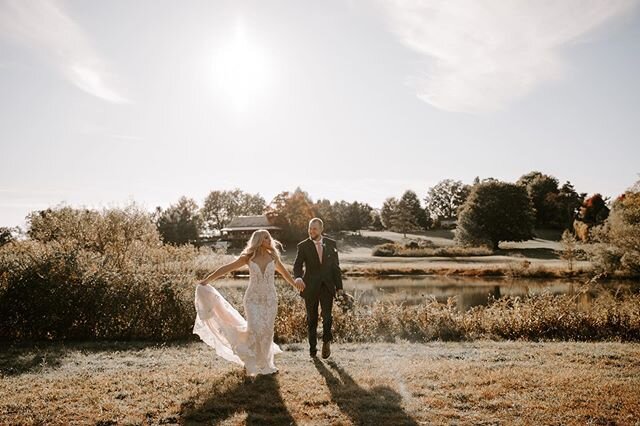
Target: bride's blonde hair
255,241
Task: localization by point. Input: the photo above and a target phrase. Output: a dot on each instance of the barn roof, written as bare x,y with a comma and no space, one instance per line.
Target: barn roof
246,223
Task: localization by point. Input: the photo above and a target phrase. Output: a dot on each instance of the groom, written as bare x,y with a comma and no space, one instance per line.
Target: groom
322,280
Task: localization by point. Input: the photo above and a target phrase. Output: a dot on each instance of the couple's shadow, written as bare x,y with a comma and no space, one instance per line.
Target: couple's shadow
378,405
233,394
261,401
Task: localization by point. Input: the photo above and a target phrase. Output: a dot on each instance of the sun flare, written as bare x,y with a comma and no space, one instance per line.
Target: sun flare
243,69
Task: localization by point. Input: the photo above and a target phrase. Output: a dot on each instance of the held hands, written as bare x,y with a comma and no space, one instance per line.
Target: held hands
299,284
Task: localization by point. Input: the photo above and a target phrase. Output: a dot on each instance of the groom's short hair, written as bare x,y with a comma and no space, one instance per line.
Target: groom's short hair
318,220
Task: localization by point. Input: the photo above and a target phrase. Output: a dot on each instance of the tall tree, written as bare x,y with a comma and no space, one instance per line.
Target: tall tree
411,202
181,223
495,211
325,211
404,219
445,198
542,190
291,211
388,212
358,216
220,207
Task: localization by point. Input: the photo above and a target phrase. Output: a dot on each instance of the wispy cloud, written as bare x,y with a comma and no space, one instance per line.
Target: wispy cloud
45,26
486,53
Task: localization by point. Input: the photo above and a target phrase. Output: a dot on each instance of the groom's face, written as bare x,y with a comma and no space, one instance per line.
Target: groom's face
314,230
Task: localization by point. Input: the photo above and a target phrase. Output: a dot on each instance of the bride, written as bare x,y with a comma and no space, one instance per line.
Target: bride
246,342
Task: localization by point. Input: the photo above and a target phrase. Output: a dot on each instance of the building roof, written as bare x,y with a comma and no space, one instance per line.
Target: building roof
247,223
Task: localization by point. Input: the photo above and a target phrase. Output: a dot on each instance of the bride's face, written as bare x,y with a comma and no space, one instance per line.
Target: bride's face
266,242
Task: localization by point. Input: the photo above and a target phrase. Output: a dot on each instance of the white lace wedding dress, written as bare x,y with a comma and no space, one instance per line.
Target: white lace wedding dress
246,342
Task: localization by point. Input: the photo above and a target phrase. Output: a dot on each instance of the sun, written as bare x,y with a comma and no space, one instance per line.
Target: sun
242,69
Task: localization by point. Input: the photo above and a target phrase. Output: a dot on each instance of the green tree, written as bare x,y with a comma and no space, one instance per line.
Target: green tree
445,198
388,212
220,207
181,223
325,211
404,220
495,211
567,203
358,216
543,190
411,202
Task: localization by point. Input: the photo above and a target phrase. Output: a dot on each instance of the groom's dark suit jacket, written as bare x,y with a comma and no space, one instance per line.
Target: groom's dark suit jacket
315,273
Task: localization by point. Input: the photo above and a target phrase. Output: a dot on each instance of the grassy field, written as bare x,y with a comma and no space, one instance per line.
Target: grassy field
481,382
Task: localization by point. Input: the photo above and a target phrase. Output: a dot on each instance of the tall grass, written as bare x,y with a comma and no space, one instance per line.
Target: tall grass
415,250
543,316
60,290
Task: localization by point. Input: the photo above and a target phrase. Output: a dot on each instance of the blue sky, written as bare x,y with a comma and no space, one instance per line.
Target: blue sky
104,102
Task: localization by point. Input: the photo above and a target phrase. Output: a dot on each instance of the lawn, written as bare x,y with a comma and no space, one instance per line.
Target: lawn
480,382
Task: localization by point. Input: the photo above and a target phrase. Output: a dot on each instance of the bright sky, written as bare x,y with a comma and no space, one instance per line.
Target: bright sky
104,102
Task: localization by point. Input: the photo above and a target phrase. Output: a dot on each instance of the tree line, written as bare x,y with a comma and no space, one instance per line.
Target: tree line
486,211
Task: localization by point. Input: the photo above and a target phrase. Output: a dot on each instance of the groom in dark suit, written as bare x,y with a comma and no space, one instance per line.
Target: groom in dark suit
322,280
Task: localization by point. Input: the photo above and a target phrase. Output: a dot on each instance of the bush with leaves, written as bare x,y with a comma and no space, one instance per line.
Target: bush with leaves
97,275
617,246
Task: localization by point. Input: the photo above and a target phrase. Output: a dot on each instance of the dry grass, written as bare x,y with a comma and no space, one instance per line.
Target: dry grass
522,269
480,382
415,249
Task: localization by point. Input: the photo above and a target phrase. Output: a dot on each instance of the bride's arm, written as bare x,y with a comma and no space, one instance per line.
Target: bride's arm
224,269
285,274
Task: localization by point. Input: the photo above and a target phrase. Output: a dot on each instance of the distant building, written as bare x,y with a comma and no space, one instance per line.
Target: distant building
448,223
238,231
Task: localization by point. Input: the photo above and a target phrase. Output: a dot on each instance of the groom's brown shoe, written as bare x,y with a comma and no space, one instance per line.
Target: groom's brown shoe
326,350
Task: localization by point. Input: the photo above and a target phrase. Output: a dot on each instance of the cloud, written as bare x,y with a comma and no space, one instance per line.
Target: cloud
44,26
484,54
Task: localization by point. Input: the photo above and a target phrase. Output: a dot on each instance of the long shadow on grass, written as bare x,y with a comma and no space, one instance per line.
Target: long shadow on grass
378,405
32,357
232,394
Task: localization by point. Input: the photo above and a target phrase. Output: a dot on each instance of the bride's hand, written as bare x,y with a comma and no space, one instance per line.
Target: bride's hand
202,283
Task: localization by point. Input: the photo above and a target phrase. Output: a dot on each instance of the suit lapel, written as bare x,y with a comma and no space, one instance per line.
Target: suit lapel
324,251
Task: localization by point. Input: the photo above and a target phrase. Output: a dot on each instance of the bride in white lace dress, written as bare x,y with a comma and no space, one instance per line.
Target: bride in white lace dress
246,342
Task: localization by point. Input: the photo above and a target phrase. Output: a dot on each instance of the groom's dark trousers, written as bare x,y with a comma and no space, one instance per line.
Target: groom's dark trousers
321,280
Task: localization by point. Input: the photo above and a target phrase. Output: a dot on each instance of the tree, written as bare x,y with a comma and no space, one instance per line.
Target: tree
325,211
569,248
376,222
388,212
181,223
220,207
618,238
594,210
109,230
292,212
495,211
568,201
411,202
6,235
358,216
543,190
404,219
445,198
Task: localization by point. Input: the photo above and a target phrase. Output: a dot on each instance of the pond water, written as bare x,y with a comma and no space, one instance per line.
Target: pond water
469,291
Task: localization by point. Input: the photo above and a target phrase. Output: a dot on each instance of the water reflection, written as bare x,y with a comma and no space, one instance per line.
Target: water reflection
470,291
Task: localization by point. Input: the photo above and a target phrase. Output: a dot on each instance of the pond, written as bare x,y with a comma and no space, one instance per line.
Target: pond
469,291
